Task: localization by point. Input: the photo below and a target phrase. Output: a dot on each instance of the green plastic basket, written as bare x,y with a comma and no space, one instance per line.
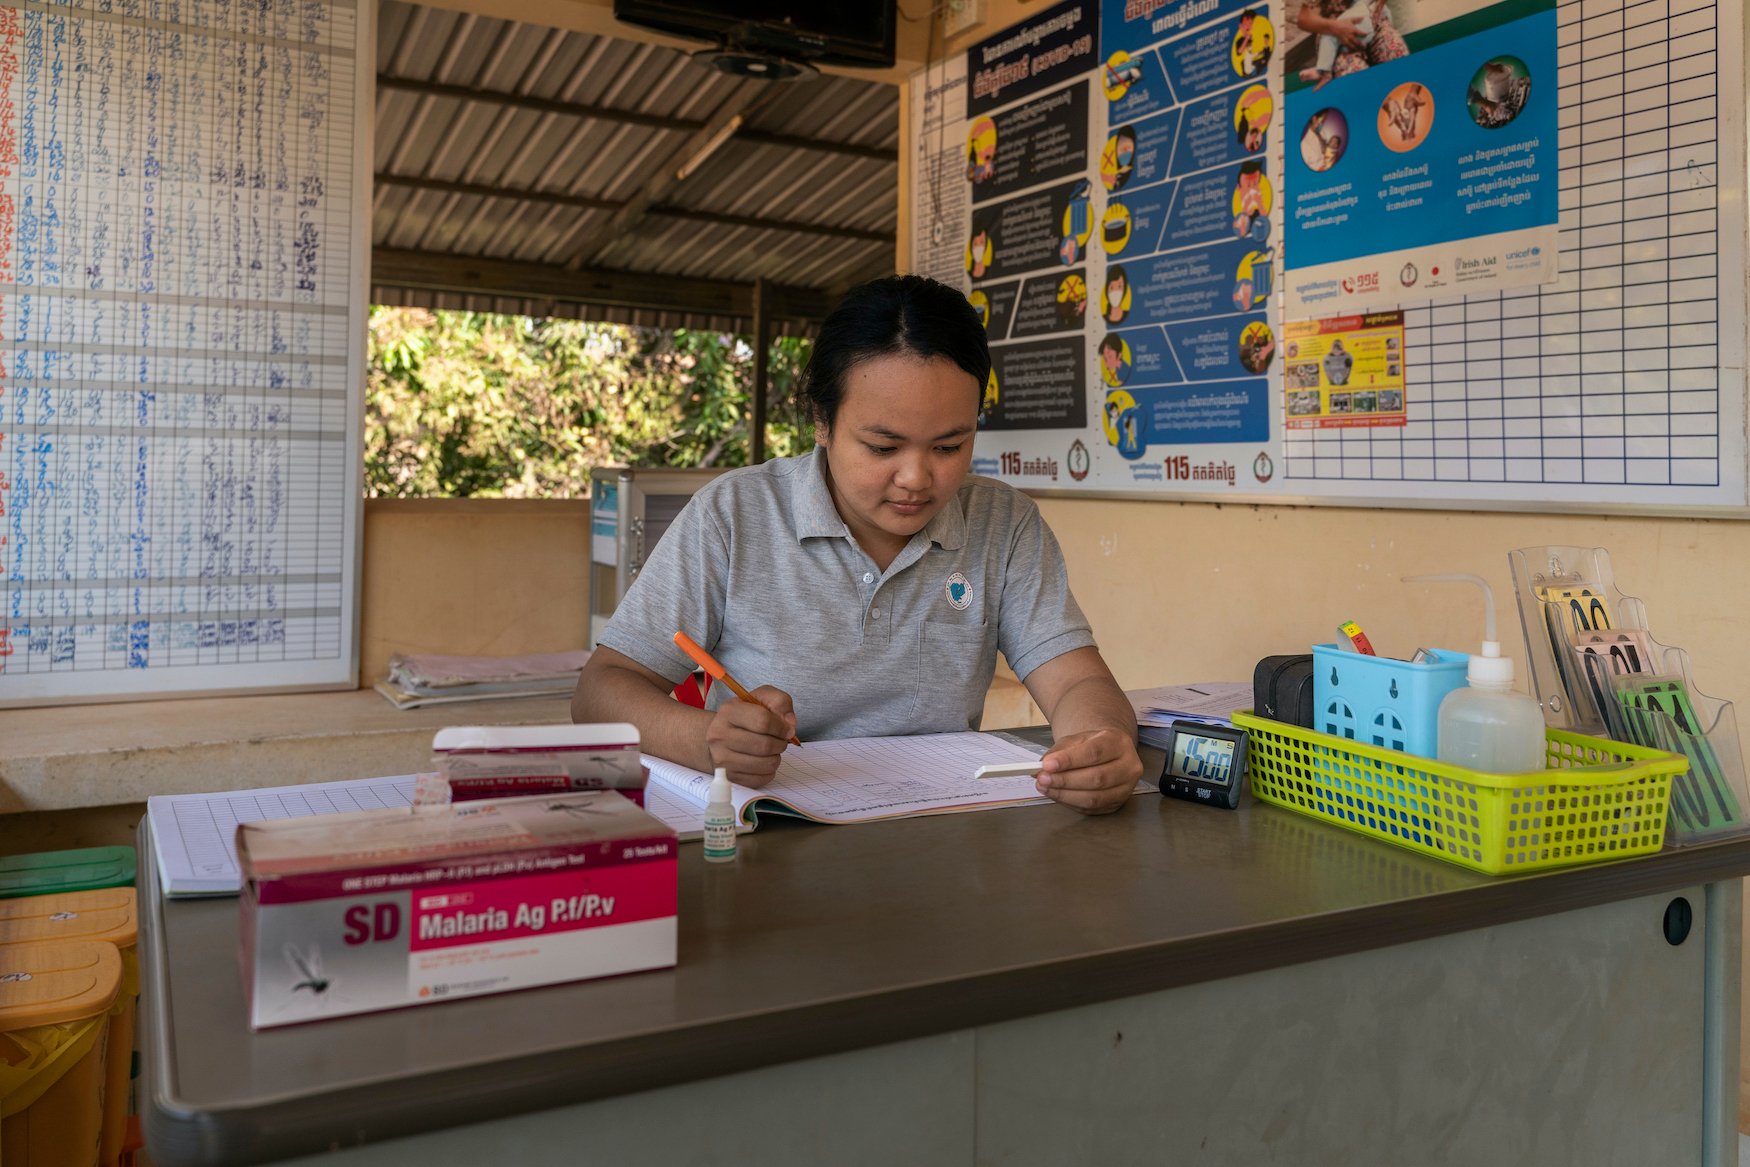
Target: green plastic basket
1598,800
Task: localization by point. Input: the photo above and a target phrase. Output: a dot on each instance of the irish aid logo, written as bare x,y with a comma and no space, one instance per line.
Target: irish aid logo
959,592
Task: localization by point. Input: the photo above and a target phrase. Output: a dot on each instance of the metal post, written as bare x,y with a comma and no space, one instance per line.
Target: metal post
762,369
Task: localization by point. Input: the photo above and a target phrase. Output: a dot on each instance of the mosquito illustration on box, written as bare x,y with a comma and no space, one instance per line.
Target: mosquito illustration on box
309,977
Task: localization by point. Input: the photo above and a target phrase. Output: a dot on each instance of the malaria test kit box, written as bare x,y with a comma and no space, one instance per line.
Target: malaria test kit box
350,913
490,761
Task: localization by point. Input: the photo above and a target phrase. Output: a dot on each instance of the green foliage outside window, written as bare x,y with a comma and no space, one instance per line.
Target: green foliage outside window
466,404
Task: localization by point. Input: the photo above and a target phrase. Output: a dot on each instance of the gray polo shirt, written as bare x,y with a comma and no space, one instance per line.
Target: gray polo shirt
761,571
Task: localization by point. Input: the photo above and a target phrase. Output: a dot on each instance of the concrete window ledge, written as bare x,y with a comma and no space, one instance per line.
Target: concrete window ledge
81,756
78,756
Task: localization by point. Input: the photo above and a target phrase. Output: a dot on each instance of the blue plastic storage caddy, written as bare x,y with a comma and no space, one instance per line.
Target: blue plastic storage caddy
1389,703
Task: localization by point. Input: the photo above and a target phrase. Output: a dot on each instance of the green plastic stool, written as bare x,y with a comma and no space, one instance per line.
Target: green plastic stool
84,869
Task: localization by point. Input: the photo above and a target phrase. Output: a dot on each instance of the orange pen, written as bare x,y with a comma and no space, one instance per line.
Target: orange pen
709,663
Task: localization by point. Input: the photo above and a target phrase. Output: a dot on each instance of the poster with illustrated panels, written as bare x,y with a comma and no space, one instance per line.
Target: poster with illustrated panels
1028,132
1112,223
1187,356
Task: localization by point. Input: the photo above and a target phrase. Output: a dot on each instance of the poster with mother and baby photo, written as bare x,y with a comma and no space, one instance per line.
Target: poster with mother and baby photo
1421,150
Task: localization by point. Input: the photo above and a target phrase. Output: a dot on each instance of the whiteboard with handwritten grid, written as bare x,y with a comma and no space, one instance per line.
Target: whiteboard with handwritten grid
182,296
1622,385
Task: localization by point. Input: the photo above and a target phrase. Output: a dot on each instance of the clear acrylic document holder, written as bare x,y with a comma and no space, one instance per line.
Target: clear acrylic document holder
1596,668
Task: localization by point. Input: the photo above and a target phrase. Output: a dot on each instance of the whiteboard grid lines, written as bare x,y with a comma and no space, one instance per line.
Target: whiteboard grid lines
1618,383
177,317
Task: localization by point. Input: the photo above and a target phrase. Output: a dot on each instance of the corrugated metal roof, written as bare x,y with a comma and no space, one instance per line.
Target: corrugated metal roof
482,152
550,306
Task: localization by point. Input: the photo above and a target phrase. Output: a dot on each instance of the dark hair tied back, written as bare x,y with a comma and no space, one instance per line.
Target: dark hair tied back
909,315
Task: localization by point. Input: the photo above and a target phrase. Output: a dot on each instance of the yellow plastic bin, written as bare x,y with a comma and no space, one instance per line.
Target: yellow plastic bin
55,1002
106,914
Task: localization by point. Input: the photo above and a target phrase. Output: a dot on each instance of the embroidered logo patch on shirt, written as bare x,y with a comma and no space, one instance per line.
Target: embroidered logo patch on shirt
959,592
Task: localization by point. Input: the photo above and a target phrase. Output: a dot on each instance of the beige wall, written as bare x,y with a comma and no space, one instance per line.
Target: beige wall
1175,591
1190,591
488,577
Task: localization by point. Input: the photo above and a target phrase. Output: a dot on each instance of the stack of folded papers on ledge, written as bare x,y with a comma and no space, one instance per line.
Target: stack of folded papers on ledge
1209,701
431,680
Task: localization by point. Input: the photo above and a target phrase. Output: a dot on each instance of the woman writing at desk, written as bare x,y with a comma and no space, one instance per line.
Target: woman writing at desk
870,583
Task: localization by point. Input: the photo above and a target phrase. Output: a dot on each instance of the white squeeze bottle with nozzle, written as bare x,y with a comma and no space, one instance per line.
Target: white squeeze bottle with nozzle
1488,725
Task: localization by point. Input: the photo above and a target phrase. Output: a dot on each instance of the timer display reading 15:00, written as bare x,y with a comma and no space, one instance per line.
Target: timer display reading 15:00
1203,762
1205,759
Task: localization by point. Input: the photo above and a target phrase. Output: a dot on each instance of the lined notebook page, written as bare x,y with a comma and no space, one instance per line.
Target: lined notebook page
195,835
861,779
675,808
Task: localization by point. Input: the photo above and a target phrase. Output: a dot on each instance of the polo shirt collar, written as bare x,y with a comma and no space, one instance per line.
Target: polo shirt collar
816,517
948,529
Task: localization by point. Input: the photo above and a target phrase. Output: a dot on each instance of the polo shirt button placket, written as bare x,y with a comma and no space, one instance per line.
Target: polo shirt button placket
872,618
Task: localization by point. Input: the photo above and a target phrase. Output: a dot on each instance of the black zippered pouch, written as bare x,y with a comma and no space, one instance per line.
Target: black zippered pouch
1282,689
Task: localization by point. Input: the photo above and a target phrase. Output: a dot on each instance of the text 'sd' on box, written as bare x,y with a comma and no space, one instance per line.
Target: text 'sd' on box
357,912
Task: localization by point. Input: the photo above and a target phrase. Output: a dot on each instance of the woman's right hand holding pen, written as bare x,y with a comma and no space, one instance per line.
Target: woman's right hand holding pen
748,739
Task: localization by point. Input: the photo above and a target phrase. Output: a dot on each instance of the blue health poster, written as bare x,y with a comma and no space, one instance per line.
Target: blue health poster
1421,152
1185,344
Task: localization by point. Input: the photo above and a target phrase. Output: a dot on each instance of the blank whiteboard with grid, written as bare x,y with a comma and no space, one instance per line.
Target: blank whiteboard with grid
182,294
1622,385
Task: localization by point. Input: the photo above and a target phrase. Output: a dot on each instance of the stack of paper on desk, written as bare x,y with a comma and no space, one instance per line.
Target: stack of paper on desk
195,835
1209,701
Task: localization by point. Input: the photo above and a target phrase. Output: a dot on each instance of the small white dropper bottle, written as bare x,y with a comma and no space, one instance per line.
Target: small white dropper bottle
1488,726
719,821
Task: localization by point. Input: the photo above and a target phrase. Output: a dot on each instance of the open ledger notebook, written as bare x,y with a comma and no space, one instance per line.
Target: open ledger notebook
857,780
